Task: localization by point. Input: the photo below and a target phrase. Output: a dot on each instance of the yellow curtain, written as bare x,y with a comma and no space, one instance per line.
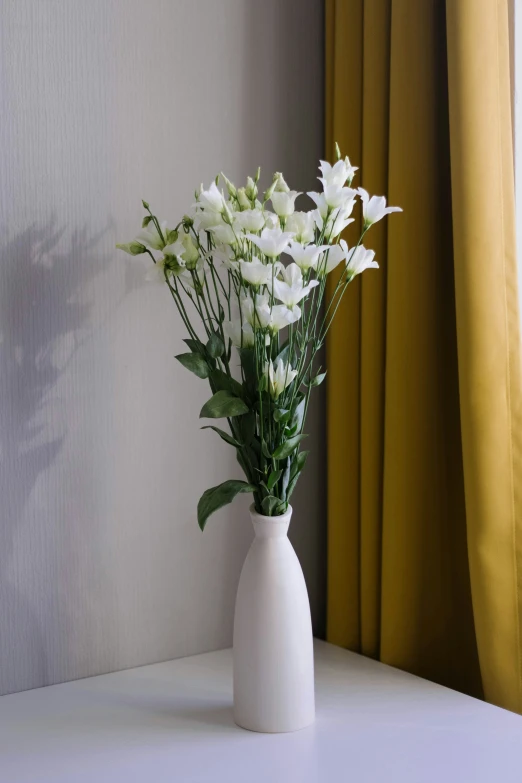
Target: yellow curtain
424,393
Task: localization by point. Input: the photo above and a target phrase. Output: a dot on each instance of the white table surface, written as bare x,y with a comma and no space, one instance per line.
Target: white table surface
173,722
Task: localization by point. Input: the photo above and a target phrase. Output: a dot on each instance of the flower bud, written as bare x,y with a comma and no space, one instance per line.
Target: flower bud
251,189
227,214
133,248
243,199
280,184
268,193
232,192
191,254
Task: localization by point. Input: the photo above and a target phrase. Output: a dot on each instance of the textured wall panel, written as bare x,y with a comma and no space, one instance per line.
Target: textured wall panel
102,565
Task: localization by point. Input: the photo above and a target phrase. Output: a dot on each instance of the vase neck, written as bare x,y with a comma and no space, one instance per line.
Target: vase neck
271,527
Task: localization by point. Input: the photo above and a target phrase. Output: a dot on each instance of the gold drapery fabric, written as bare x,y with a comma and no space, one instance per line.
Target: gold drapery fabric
424,388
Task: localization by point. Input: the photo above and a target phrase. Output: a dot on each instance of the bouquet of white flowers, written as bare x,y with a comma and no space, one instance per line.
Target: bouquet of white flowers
255,281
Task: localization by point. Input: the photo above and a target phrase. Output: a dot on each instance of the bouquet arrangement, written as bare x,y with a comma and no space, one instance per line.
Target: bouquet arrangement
249,284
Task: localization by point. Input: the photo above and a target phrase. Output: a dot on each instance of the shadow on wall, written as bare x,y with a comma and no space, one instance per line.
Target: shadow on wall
43,322
293,140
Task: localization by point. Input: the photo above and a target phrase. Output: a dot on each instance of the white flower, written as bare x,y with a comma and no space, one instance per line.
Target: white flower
250,219
271,220
290,290
272,241
305,257
156,272
207,219
339,219
336,196
284,202
226,256
302,224
374,208
264,316
212,199
224,234
360,259
319,198
256,273
175,249
338,173
257,316
198,272
281,316
279,377
241,337
150,238
332,258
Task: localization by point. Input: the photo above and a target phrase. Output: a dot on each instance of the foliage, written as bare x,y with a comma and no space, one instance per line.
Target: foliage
252,280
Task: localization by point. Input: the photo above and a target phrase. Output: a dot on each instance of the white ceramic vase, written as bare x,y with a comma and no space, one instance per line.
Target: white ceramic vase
273,646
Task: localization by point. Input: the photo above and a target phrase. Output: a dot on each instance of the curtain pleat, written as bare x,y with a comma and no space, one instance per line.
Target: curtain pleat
488,329
423,476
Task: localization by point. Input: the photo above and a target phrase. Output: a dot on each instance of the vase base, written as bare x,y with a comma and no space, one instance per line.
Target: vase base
259,728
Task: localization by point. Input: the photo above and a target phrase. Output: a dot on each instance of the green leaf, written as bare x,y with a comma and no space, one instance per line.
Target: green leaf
268,504
298,415
253,454
146,220
286,477
283,353
291,487
241,459
195,363
274,478
215,346
285,449
224,435
264,449
217,497
319,378
248,362
281,415
223,404
225,382
298,463
171,236
195,346
133,248
301,460
247,426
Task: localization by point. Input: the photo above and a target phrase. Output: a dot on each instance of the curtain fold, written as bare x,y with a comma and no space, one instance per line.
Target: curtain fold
423,400
488,332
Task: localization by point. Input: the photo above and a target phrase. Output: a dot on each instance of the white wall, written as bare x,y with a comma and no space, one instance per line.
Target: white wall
103,102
